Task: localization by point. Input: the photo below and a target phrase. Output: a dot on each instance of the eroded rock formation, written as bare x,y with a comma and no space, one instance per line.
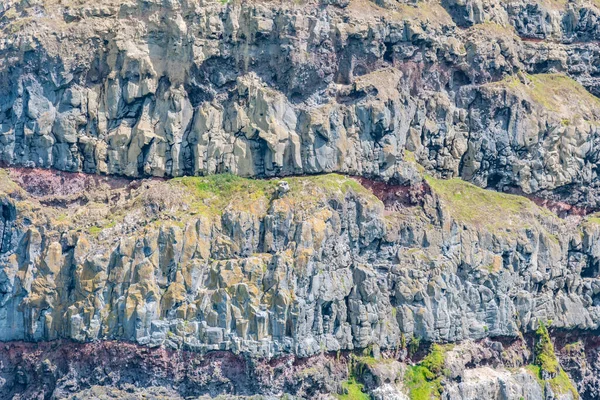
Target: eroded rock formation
358,237
268,89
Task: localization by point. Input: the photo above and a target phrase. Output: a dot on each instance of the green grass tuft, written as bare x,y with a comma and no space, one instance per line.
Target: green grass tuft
493,210
544,351
434,361
561,384
536,372
413,345
422,383
546,364
353,391
594,219
95,230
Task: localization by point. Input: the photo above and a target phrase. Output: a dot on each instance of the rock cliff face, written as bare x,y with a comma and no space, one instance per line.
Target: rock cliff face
305,266
307,199
172,88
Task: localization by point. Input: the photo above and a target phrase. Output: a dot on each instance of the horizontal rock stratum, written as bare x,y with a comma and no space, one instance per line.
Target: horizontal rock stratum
299,199
173,88
224,263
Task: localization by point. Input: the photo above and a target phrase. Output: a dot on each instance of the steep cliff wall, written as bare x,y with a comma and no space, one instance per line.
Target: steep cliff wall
271,268
359,236
175,88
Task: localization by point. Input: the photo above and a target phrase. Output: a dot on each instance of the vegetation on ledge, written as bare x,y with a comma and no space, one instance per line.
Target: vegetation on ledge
352,391
557,93
424,380
214,193
546,365
494,210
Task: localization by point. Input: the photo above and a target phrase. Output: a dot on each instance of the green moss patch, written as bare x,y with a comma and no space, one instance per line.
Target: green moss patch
424,381
561,384
544,351
493,210
546,364
422,384
536,372
352,391
434,361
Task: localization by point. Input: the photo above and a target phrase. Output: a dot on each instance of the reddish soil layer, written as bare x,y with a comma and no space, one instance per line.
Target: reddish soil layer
44,370
43,182
396,196
52,184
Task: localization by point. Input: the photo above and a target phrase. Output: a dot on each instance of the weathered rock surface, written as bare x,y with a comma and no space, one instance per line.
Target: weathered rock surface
172,88
334,278
224,263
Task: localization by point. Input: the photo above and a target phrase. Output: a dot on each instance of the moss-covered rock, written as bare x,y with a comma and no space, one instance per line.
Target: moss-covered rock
546,366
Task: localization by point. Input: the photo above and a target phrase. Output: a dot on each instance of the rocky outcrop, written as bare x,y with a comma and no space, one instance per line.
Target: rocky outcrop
228,264
109,369
259,89
122,370
375,128
324,266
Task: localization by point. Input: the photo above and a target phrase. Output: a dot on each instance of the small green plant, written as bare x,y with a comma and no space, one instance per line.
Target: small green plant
413,345
434,361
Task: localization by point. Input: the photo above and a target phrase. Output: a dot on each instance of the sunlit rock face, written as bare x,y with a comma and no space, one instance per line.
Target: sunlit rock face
299,198
266,89
300,267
